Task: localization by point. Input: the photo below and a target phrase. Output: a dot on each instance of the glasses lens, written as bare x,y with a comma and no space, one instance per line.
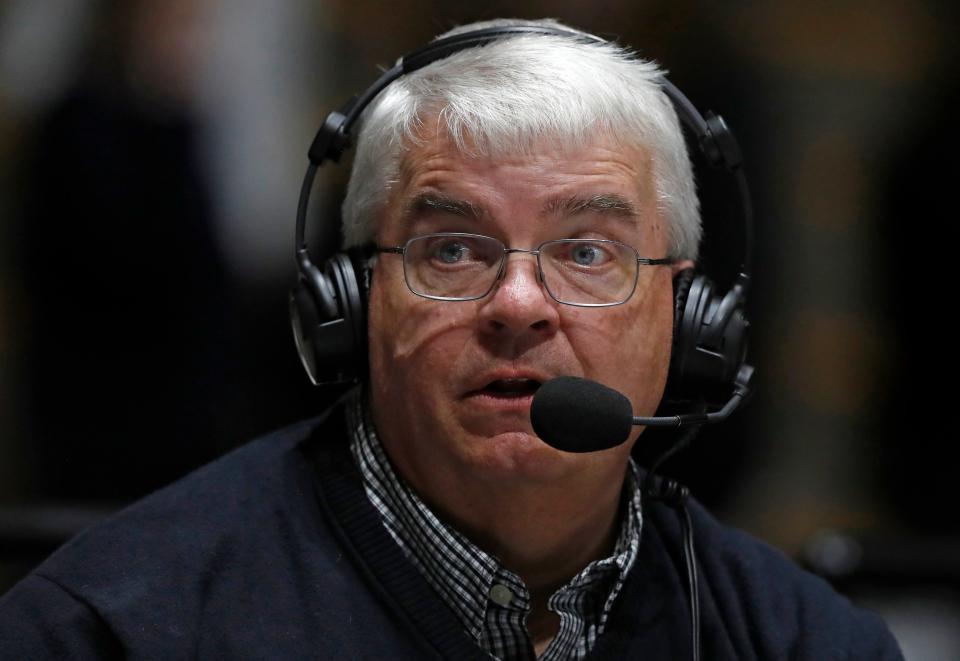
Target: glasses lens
452,266
589,272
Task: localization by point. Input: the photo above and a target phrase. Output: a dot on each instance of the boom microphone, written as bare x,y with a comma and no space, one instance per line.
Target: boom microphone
578,415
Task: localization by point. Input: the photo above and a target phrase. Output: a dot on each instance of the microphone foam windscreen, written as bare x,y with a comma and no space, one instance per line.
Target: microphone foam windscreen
578,415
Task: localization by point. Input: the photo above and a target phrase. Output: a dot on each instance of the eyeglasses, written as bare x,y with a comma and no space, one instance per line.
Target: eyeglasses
453,266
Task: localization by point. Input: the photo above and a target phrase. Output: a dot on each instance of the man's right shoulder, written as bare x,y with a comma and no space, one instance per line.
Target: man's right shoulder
218,506
247,521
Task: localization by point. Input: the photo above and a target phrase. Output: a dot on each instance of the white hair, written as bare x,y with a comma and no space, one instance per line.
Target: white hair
511,95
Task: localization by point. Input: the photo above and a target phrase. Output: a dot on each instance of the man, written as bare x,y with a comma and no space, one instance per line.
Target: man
524,205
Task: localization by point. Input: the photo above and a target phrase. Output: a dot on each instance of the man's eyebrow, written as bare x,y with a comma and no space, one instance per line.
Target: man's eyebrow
434,202
612,204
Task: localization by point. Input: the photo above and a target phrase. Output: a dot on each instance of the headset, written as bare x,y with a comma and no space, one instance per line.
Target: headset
328,303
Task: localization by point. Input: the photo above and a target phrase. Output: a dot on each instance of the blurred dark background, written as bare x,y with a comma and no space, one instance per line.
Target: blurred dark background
150,157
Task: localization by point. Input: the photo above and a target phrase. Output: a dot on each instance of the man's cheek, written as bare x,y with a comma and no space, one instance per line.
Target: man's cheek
425,331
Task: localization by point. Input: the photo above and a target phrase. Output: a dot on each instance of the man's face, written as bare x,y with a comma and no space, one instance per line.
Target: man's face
450,380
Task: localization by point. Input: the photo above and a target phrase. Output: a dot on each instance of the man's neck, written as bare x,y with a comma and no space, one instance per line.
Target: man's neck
543,626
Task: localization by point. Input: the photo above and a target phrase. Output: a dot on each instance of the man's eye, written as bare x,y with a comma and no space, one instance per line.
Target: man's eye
451,252
588,254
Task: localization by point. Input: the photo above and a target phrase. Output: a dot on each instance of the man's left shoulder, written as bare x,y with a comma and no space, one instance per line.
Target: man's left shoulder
755,592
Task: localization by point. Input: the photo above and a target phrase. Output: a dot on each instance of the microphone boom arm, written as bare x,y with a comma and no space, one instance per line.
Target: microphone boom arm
740,392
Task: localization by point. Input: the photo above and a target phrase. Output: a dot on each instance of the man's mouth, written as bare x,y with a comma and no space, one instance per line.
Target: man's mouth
509,388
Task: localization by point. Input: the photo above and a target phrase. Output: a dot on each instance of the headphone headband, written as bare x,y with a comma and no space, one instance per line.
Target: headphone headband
714,137
710,340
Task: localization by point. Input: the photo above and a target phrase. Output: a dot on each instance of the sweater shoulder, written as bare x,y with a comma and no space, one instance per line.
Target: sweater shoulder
766,606
194,527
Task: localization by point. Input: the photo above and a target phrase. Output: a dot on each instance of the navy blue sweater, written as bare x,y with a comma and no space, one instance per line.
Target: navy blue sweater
274,552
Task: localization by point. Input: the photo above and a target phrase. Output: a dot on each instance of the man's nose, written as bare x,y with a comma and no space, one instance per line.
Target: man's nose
519,303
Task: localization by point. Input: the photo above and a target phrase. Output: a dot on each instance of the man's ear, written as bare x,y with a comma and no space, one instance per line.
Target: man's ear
681,265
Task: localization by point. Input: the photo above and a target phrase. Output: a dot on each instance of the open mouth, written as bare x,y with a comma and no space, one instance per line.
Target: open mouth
510,388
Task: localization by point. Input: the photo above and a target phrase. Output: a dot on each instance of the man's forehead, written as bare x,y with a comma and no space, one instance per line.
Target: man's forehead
597,156
597,178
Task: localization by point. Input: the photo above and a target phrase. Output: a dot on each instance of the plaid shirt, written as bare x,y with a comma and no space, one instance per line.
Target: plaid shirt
490,601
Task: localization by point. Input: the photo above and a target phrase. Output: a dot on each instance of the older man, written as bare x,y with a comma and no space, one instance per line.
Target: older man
524,206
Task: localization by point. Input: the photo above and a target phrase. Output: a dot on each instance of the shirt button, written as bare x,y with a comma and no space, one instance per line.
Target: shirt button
501,594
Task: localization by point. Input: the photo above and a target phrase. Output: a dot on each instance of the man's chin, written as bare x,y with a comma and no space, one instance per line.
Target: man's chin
518,454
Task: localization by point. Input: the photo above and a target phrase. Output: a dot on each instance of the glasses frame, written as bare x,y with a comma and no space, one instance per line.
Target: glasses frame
402,250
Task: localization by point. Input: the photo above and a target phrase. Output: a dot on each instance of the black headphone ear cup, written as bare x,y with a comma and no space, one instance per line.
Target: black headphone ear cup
681,289
343,272
709,343
683,318
327,316
311,303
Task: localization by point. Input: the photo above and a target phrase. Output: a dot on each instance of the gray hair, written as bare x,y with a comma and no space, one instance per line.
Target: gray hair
509,96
